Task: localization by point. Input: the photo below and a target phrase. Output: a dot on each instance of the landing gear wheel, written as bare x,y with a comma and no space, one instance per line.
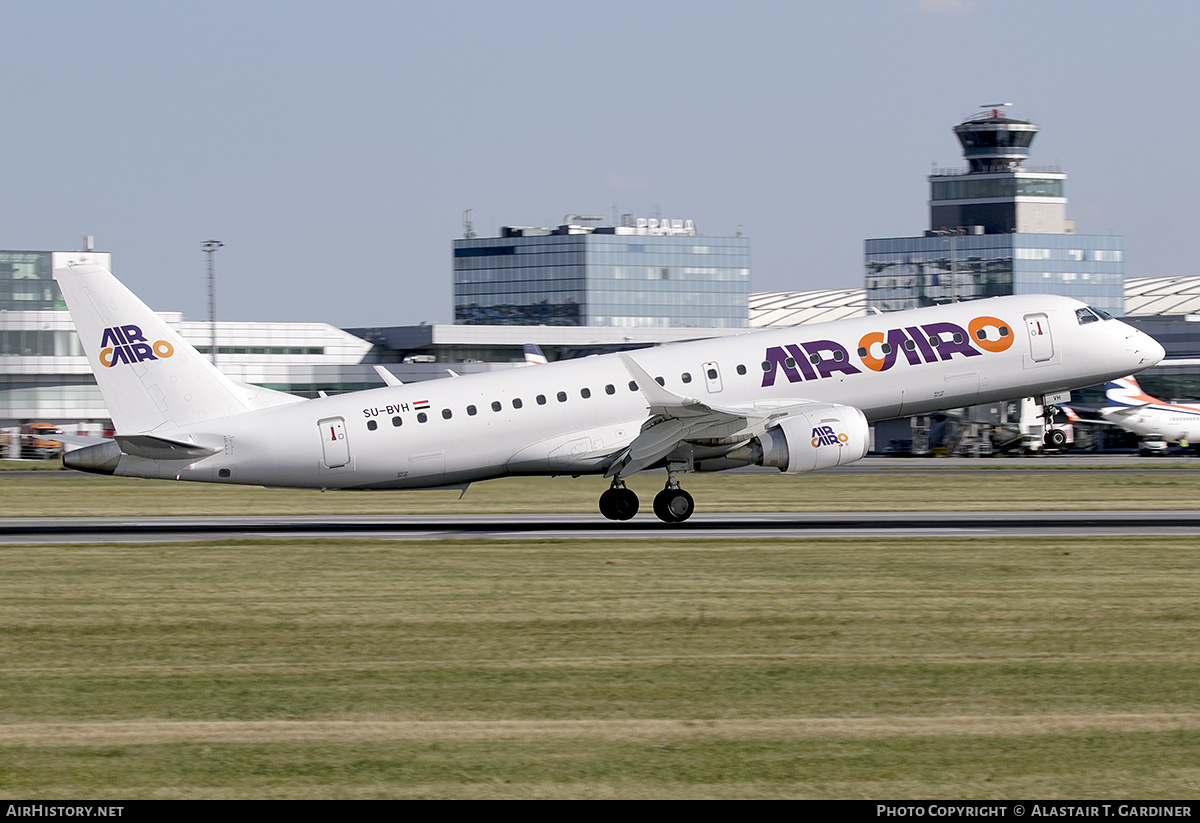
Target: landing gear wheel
673,505
1055,438
618,504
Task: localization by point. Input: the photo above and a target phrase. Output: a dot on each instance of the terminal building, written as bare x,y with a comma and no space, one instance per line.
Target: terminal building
996,227
44,375
644,273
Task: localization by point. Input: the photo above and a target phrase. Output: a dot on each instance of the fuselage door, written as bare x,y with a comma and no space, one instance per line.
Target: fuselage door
1041,345
712,377
334,443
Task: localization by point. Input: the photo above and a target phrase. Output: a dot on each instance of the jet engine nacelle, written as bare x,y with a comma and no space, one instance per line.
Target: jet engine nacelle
825,437
820,438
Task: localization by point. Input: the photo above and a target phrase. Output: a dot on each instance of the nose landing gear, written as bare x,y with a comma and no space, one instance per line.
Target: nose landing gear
1053,438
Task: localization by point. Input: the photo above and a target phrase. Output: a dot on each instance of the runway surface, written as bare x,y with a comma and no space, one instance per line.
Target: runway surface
758,525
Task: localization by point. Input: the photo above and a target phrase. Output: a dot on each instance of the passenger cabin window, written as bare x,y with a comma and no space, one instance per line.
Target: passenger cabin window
660,381
610,389
397,421
685,377
517,403
741,369
585,393
422,417
496,405
541,399
372,425
562,397
633,385
471,410
447,414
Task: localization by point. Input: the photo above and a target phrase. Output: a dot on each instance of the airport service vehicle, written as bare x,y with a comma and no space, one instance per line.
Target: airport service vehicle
798,399
38,441
1153,445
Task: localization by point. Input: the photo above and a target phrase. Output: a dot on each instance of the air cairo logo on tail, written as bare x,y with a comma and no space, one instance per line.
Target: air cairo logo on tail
127,344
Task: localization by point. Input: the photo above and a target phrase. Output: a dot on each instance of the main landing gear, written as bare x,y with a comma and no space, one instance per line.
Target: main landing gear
618,503
671,505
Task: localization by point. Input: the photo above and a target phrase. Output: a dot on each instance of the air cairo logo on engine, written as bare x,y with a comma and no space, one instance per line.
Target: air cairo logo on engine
826,436
127,344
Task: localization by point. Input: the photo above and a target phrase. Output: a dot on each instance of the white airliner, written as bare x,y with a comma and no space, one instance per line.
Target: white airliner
1132,409
797,399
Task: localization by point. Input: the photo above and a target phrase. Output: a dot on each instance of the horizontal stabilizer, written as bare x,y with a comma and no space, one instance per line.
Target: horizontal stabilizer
160,448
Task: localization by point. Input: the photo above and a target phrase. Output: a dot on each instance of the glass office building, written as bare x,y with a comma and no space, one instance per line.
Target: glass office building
996,228
645,273
906,272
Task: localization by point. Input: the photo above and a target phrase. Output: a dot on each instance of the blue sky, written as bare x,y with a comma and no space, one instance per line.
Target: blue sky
333,147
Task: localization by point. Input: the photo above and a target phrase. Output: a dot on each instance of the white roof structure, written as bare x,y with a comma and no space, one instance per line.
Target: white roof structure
777,309
1151,296
1144,297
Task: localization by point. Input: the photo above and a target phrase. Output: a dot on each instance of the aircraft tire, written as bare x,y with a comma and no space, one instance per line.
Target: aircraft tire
673,505
1055,438
618,504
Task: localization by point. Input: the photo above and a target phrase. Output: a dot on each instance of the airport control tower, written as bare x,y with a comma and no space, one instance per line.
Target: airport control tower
997,227
997,192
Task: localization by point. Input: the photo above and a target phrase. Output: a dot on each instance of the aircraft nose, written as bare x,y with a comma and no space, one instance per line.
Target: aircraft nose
1146,348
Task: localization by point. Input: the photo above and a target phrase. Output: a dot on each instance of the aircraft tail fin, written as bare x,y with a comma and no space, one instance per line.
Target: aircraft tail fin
150,377
1126,392
534,355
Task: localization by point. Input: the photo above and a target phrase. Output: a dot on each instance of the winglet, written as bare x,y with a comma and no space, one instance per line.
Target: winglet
387,377
655,394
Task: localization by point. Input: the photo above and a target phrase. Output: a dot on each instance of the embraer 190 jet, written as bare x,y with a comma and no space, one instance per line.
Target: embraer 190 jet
797,399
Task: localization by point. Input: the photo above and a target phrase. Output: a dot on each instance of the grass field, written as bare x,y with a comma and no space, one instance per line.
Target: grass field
73,494
911,668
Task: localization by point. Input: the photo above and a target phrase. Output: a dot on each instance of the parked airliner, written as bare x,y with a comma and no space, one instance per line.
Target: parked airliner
1133,410
797,399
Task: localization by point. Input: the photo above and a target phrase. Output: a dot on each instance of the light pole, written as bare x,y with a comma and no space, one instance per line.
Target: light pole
210,246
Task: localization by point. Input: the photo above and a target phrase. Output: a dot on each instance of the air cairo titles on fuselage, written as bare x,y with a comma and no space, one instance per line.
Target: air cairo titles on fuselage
127,344
879,350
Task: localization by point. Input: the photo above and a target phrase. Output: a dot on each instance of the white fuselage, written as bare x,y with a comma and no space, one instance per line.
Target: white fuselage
572,417
1176,423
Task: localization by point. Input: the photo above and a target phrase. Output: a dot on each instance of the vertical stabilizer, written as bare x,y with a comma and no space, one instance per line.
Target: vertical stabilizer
1127,392
150,377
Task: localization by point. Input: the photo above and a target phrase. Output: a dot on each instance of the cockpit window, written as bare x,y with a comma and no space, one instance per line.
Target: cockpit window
1085,316
1103,314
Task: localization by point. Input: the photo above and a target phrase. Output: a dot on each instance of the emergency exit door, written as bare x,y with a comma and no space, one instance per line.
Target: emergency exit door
335,446
1041,344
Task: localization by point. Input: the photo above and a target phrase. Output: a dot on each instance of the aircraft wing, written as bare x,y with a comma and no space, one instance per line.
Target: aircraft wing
1120,412
675,418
